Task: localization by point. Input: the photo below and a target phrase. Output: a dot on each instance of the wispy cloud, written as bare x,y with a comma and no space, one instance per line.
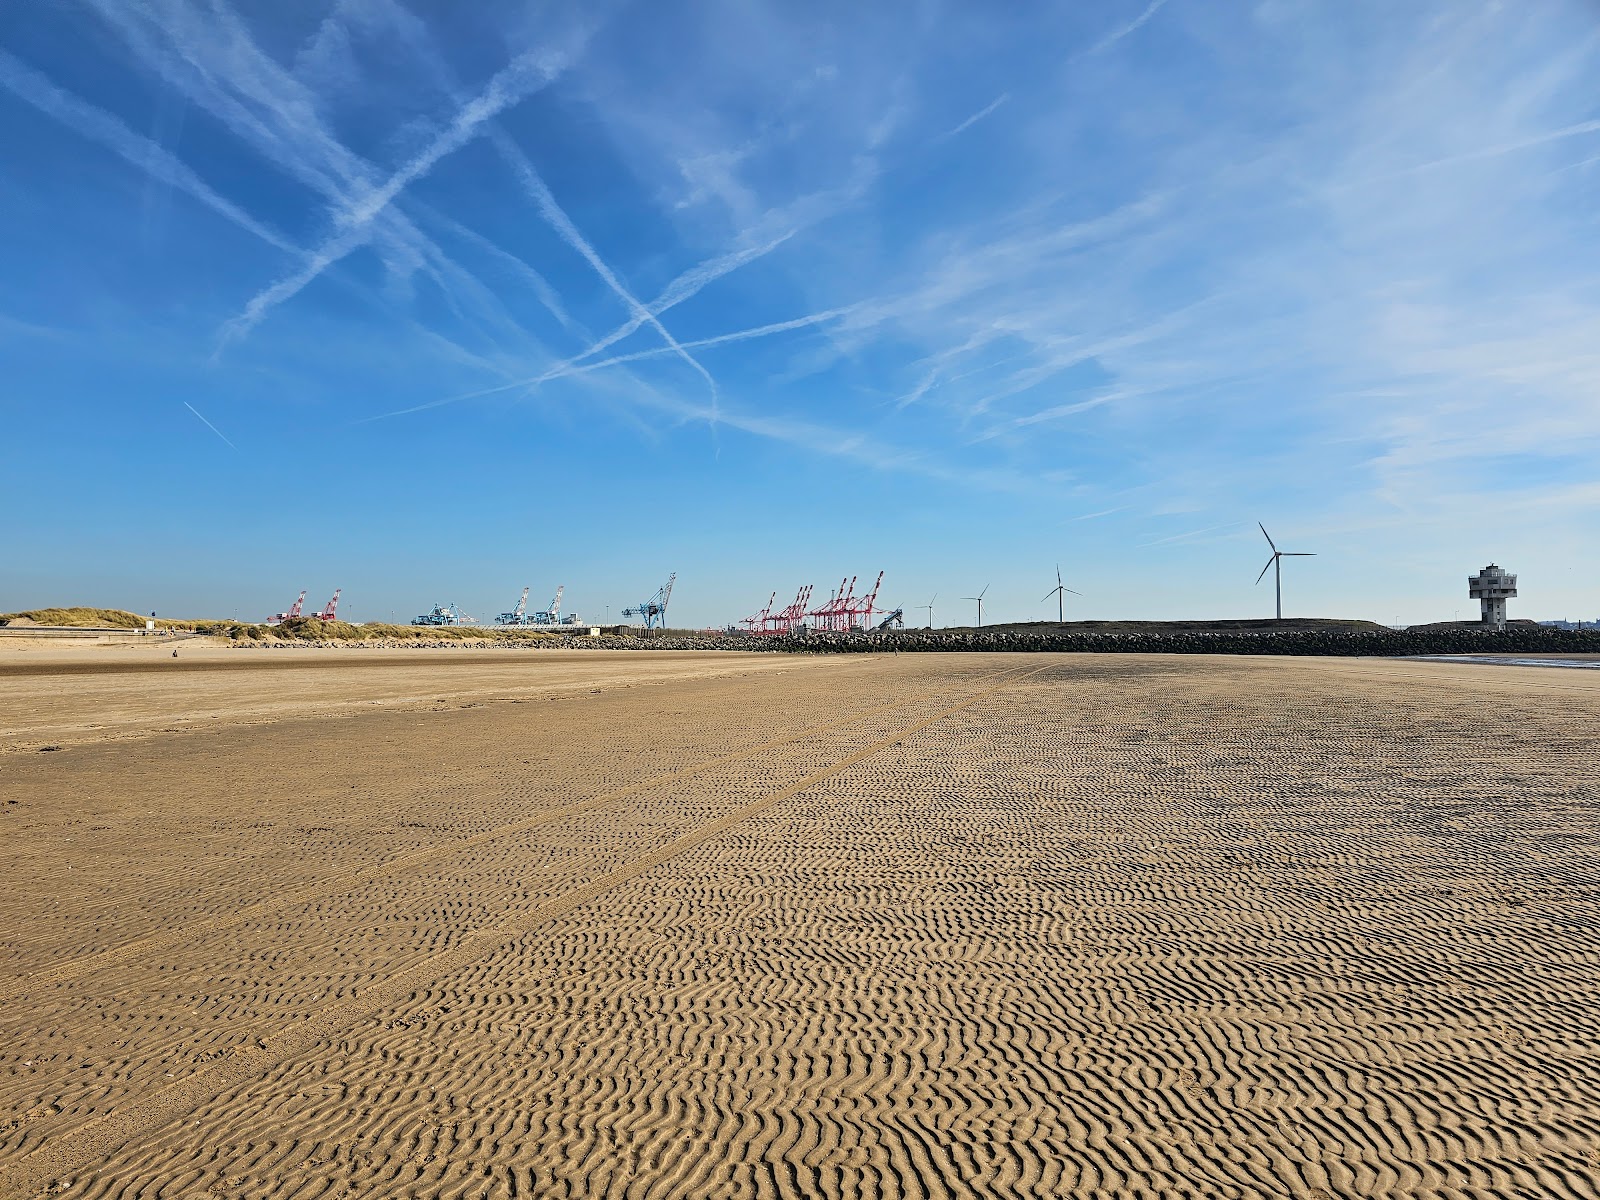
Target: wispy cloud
1191,534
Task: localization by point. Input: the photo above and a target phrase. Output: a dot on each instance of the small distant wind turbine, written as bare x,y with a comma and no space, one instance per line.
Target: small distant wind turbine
1275,564
979,599
1060,593
929,607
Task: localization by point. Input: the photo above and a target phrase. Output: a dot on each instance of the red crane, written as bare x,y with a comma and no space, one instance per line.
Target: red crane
859,614
785,621
294,611
333,606
834,616
758,622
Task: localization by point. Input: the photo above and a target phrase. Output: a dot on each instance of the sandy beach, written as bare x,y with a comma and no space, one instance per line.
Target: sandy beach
591,924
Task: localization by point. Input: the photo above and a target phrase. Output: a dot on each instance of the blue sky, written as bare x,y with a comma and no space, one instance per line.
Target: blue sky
433,301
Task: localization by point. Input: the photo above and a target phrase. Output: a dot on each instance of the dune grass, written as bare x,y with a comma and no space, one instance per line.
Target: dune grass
92,618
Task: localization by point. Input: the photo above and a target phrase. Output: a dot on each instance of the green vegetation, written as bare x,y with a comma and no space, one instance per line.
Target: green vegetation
90,618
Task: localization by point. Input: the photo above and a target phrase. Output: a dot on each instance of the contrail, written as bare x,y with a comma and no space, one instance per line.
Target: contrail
154,160
562,370
1118,35
512,84
209,425
558,220
979,115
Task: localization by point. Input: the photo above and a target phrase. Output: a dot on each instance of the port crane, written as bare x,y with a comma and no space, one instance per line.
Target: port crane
294,610
755,623
654,610
332,607
552,615
444,614
518,615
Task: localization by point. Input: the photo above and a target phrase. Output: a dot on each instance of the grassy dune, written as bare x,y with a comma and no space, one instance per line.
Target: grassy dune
92,618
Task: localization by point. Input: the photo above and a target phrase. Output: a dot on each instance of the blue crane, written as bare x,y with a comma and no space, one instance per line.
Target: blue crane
654,610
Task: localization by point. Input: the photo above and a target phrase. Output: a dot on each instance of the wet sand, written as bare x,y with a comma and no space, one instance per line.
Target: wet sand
581,924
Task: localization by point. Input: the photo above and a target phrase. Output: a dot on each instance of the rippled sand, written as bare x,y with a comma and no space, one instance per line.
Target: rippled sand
590,925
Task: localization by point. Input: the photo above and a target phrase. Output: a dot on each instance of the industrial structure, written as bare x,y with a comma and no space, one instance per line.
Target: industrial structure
444,614
294,610
330,608
756,623
1492,587
845,612
518,615
549,618
654,610
552,615
842,612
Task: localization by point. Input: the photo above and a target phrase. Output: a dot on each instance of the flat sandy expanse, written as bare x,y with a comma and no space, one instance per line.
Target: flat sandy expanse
323,924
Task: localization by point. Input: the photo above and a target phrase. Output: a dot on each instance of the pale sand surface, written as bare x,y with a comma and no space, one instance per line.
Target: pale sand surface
927,925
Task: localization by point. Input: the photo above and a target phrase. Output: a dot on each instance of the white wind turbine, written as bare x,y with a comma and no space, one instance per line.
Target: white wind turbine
929,607
1275,564
979,598
1060,593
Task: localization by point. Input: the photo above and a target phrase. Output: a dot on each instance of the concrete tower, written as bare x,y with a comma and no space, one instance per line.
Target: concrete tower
1492,587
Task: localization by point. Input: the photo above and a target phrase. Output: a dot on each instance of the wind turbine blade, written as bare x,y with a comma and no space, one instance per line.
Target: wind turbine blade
1047,595
1069,591
1058,574
1299,553
1266,568
1268,536
985,591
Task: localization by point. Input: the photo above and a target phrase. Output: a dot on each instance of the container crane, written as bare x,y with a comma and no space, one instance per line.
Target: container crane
860,611
754,623
332,607
654,610
294,610
788,619
444,614
552,615
518,615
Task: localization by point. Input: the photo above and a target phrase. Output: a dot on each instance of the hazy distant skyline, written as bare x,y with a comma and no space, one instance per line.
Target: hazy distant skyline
432,302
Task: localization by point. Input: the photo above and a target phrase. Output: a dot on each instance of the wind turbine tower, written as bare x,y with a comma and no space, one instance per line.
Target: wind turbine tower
1060,593
1275,564
979,598
929,607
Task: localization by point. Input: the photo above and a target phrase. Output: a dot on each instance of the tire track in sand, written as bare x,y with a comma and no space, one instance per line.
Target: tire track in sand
97,1138
166,939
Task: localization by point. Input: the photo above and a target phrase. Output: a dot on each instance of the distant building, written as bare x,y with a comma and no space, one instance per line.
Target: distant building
1492,587
1565,624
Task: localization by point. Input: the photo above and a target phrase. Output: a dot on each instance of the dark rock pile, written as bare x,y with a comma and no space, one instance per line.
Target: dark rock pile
1516,639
